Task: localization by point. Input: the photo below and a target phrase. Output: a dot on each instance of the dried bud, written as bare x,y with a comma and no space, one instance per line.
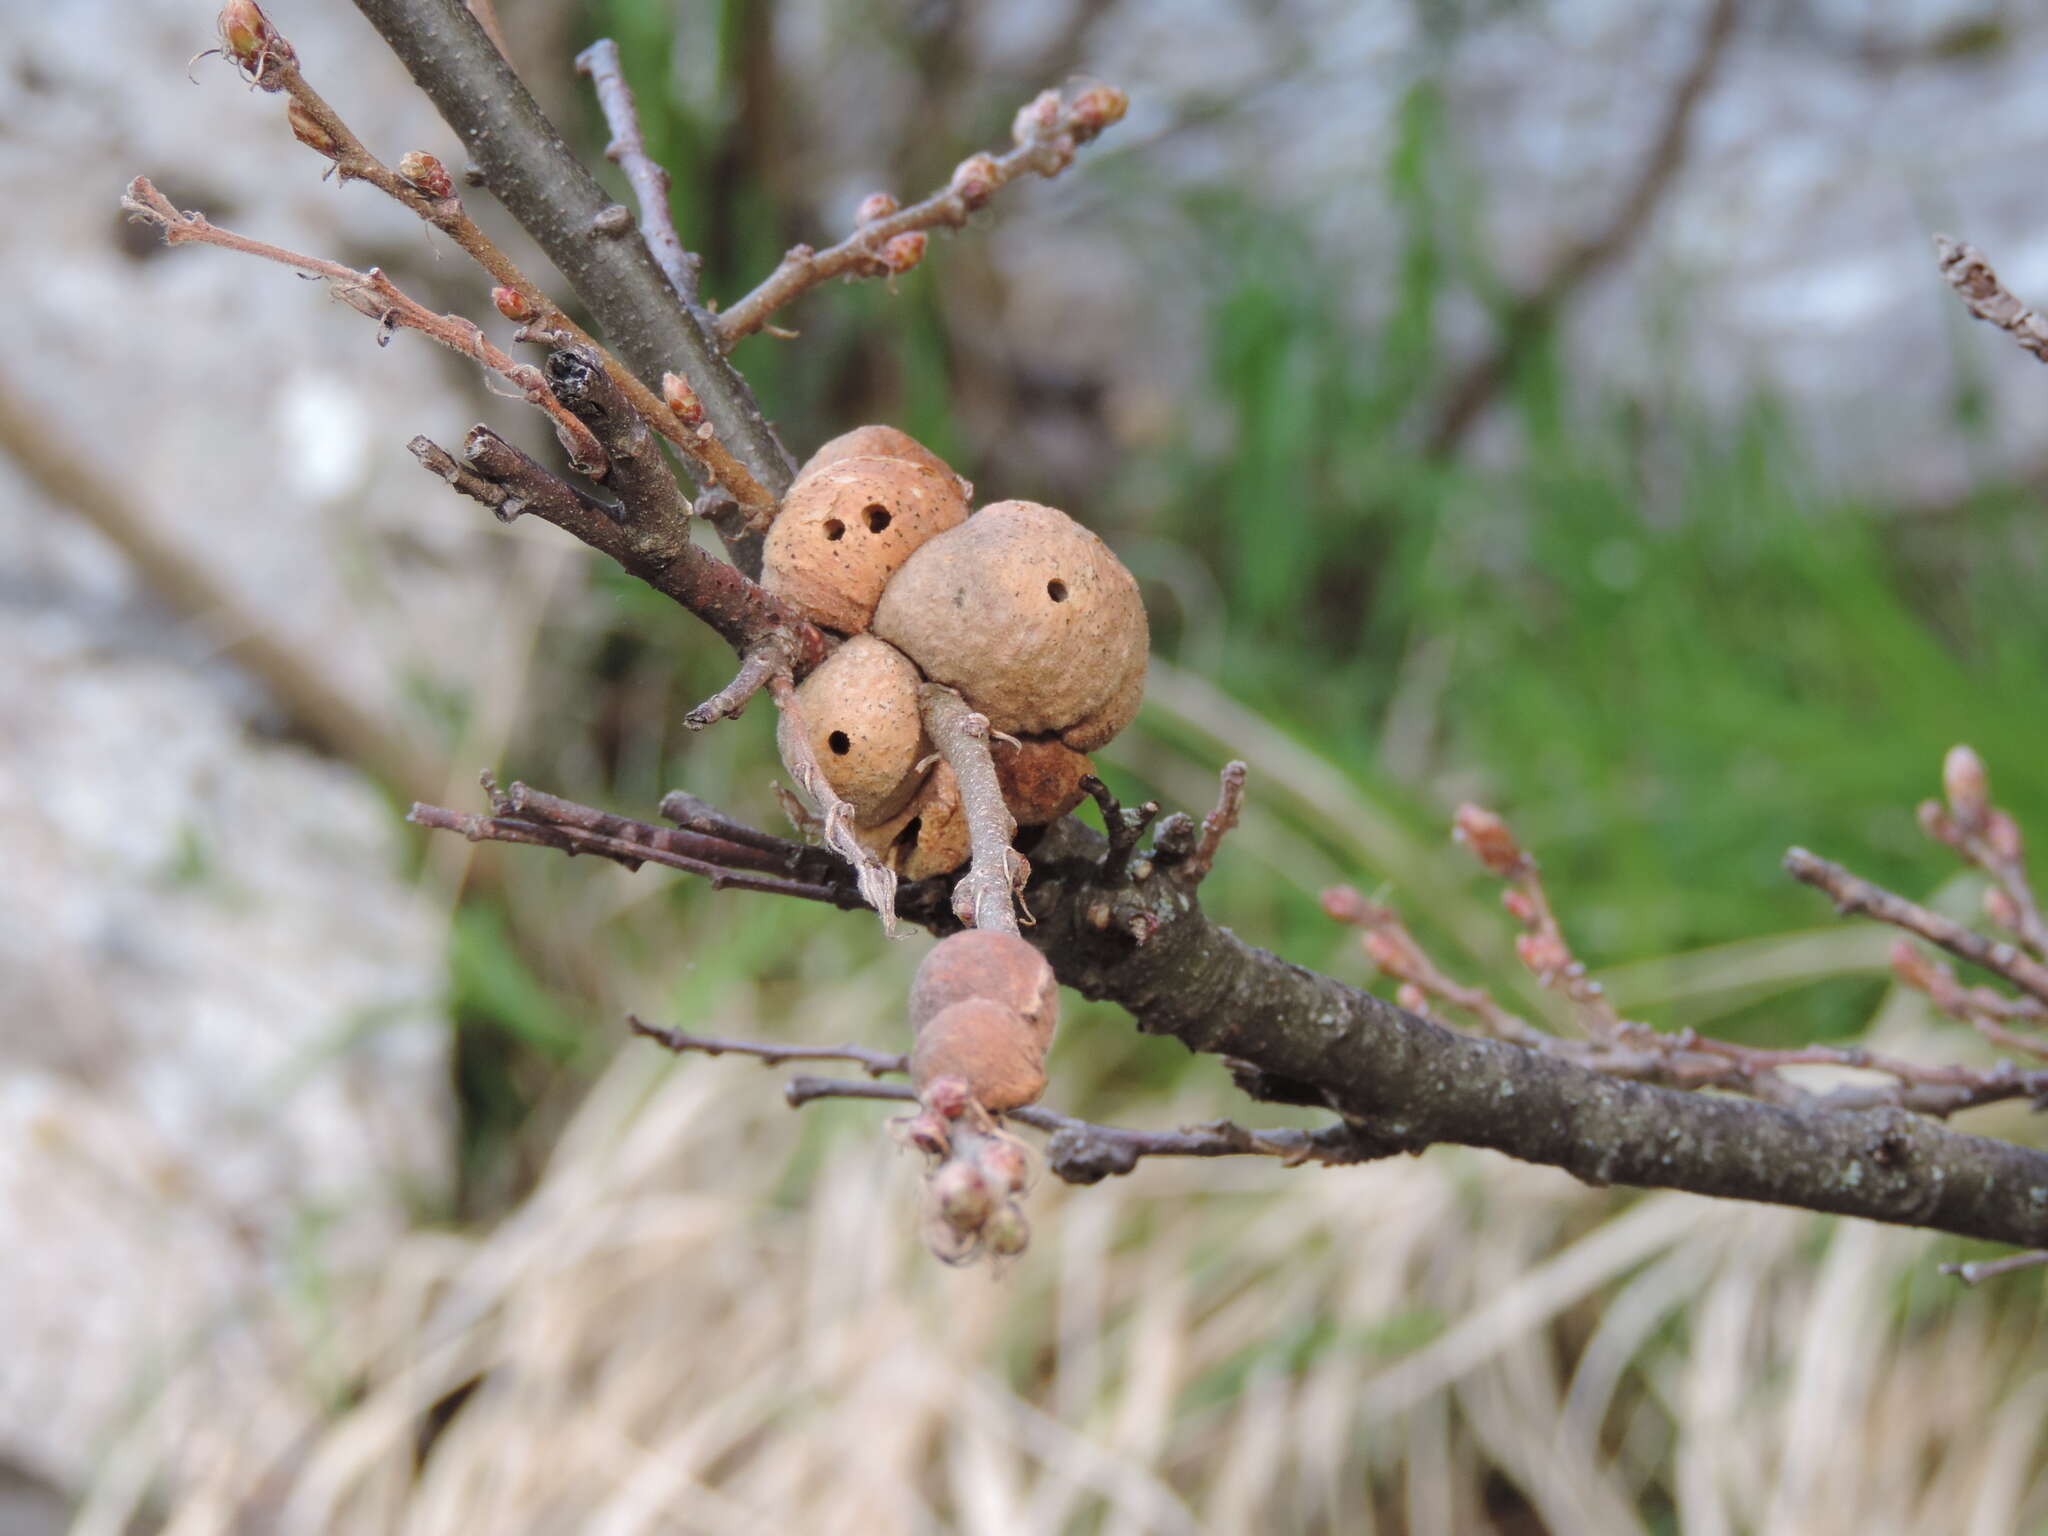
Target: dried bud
1006,1164
876,205
1543,953
1096,108
309,132
1007,1232
962,1197
258,49
2001,908
513,305
1036,118
1518,905
905,251
974,180
925,1131
1967,785
947,1096
2003,834
677,395
1489,839
425,174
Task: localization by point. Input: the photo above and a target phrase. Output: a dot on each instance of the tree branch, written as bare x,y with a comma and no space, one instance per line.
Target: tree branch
1403,1082
648,178
1987,298
542,185
373,294
891,241
660,553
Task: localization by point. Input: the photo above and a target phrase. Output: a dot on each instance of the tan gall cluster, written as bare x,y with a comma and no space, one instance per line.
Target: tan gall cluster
1030,616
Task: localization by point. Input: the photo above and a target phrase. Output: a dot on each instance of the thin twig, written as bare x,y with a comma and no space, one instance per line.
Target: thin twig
1124,828
1083,1152
1977,1271
1047,132
647,176
531,171
423,184
1988,837
986,895
757,666
877,1063
1217,824
373,294
876,880
660,553
1853,894
1988,299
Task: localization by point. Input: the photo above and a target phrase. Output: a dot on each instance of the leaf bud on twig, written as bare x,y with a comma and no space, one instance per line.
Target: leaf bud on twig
1489,839
258,49
1967,786
1036,118
513,304
309,132
679,397
876,205
2000,907
425,174
974,180
905,251
1095,109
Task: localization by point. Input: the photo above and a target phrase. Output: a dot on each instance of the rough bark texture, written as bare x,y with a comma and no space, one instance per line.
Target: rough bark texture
588,236
1405,1083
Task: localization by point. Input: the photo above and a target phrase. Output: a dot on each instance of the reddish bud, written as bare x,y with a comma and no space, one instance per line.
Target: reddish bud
677,395
258,48
1388,952
513,305
425,174
1543,953
904,252
1966,784
2003,834
1488,837
876,205
974,180
1343,904
1096,108
947,1096
307,130
1036,118
1519,906
1411,997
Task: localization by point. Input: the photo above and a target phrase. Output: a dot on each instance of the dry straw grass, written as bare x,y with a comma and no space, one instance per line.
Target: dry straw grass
714,1316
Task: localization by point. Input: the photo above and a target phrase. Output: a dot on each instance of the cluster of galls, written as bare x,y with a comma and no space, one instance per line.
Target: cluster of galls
1038,626
1030,616
984,1007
